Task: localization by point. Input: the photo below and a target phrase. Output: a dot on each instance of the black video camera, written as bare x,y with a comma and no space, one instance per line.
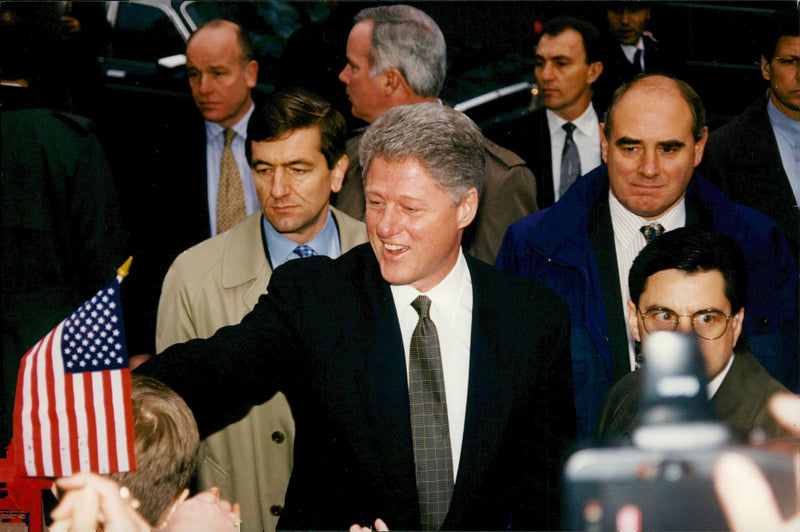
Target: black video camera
663,481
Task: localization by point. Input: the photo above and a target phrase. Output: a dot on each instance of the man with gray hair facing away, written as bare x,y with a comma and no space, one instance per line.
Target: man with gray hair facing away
396,56
428,388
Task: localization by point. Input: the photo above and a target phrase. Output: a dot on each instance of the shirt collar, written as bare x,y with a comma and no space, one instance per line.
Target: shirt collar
630,49
240,127
443,294
626,224
587,123
788,127
281,249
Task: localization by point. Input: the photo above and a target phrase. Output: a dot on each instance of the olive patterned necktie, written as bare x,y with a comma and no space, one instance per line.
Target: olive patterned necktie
429,425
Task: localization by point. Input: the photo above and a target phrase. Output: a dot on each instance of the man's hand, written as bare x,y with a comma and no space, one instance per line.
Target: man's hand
204,511
379,525
743,490
92,500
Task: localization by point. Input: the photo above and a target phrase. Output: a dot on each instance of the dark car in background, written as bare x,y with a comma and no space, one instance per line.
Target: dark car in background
491,47
717,40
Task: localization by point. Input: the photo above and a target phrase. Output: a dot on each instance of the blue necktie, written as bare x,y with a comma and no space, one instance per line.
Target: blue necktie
304,250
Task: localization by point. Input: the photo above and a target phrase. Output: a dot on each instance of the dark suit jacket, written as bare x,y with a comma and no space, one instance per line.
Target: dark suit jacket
743,160
166,203
345,378
529,137
618,70
741,401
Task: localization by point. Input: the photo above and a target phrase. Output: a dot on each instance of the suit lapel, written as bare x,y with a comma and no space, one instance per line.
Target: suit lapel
545,177
383,387
485,419
601,232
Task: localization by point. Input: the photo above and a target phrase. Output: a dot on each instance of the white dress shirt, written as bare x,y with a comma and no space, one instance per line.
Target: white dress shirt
215,142
629,241
714,384
630,52
586,137
451,313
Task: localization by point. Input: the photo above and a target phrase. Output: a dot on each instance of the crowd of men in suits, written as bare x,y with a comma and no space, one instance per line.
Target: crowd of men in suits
340,281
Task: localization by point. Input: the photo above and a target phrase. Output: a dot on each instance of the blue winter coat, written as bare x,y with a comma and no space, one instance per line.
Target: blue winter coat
553,247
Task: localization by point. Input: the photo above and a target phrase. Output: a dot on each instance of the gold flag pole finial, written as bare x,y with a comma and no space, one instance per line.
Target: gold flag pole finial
123,270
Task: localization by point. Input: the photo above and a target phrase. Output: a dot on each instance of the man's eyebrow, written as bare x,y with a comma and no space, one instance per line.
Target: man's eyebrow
656,306
624,141
295,162
672,144
553,57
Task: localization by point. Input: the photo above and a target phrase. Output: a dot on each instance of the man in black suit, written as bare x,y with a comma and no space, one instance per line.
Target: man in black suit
630,49
190,197
567,64
753,158
338,338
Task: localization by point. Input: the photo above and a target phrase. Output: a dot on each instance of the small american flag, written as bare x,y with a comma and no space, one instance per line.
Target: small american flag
73,406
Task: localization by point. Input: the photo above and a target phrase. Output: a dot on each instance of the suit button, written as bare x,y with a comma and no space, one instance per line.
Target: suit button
276,509
278,437
765,322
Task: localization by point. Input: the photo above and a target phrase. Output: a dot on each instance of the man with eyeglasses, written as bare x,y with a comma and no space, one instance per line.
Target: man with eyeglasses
652,138
693,280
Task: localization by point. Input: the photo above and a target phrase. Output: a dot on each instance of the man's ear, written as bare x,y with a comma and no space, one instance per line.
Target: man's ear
736,324
468,208
392,79
603,143
251,73
766,70
700,147
338,173
595,69
633,321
